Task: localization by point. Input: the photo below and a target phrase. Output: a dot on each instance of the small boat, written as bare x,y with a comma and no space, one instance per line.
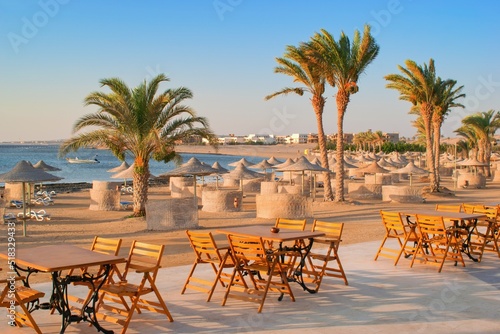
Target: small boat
82,161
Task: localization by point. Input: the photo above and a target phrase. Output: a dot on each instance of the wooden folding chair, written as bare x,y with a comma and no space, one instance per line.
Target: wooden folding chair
20,301
318,263
104,246
260,268
207,252
440,243
144,259
395,229
484,236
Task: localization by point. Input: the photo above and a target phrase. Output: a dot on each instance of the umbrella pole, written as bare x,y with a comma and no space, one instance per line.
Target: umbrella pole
195,196
24,209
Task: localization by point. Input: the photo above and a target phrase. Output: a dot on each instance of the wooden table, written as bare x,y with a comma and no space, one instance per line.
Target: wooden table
54,259
282,236
463,220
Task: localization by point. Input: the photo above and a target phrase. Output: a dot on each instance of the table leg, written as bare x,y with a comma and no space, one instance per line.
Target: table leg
59,299
297,273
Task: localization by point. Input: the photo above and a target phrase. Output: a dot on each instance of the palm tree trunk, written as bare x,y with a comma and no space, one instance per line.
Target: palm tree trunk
318,105
342,101
436,125
140,197
426,111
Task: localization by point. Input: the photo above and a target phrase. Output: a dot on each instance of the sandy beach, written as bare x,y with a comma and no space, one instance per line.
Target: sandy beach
72,222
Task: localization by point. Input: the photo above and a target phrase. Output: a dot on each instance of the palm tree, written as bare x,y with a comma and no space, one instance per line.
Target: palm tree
483,125
417,85
446,98
299,63
141,122
342,63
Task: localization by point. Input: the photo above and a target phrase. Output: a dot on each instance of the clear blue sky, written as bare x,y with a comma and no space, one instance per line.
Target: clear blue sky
54,52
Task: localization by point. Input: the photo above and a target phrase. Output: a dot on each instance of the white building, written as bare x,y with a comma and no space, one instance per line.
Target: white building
259,138
298,138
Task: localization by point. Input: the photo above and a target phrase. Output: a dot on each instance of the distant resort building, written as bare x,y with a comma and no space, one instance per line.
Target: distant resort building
295,138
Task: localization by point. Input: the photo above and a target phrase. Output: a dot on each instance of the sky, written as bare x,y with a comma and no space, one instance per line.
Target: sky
55,52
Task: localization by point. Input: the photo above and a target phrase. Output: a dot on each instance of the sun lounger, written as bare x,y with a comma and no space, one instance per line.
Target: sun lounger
43,201
40,215
126,205
16,203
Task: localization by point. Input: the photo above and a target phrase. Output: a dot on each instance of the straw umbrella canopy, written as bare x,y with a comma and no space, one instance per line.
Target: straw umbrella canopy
124,165
264,165
192,167
128,173
302,165
273,161
241,161
373,168
472,162
411,169
24,172
45,167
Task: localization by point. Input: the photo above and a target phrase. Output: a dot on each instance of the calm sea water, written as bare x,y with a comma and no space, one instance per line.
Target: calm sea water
10,155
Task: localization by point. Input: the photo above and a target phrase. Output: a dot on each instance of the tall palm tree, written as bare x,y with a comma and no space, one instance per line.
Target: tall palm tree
299,63
417,85
141,122
446,98
484,125
342,63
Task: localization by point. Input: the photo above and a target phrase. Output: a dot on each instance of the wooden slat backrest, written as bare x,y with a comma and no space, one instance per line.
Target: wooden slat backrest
333,231
448,207
431,225
203,244
469,208
106,245
292,224
392,222
144,256
490,212
246,248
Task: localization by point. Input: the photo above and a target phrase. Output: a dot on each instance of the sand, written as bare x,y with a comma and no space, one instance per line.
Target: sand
73,223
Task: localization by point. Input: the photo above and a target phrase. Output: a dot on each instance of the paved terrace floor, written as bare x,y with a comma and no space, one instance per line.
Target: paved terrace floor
380,298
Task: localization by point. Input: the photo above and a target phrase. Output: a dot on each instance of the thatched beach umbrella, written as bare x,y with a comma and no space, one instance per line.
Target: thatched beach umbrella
24,172
124,165
219,170
411,169
45,167
241,161
193,167
273,161
302,165
243,173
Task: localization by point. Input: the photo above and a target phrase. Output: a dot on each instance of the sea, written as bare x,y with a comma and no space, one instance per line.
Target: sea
11,154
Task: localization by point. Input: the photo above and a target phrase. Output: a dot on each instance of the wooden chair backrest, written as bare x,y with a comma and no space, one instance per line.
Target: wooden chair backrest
106,245
469,208
392,222
332,230
490,212
204,245
448,207
144,257
246,249
430,226
292,224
